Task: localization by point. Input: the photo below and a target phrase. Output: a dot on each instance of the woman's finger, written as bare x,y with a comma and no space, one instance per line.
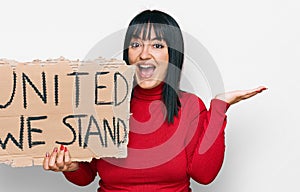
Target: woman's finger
248,95
253,92
46,162
52,159
60,158
260,89
68,161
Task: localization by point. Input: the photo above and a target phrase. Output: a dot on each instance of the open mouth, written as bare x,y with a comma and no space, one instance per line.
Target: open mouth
146,70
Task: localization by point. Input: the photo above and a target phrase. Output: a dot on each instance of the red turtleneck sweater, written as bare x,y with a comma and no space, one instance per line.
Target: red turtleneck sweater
163,157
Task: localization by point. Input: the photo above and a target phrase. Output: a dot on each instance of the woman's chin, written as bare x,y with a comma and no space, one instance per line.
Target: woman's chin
148,84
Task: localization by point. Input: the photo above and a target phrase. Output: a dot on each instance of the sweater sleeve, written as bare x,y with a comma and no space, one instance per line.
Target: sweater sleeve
205,152
84,175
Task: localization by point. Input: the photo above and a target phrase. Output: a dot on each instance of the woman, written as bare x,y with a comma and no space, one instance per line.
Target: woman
175,138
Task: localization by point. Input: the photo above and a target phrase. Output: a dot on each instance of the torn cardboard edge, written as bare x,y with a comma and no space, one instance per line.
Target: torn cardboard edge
83,105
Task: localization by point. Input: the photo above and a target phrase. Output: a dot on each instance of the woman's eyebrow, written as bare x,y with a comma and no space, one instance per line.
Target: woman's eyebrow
153,39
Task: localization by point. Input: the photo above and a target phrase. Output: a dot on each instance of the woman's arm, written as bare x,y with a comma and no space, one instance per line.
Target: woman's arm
84,175
206,150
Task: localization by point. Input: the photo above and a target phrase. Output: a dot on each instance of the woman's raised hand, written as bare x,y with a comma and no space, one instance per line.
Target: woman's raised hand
59,160
236,96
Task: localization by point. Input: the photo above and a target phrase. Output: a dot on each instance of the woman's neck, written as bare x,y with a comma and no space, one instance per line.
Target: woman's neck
154,93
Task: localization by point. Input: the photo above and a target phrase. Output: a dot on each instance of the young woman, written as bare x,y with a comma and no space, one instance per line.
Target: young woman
172,138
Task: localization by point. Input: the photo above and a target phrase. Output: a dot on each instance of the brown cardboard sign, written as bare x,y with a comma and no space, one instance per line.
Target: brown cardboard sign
82,105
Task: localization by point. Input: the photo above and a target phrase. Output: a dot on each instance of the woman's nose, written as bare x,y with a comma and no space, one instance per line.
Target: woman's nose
145,53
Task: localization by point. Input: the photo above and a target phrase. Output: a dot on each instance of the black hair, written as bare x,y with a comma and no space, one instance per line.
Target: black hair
167,29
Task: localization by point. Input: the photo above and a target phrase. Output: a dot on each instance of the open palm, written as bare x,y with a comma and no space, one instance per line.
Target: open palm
233,97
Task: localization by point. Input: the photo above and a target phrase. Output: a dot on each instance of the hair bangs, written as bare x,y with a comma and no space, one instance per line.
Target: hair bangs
145,30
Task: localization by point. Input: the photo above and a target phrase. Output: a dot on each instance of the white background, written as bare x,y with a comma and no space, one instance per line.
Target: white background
253,43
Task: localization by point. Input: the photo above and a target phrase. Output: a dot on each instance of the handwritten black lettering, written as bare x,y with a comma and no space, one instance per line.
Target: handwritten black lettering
13,92
123,140
108,129
89,132
77,85
116,75
19,143
43,96
65,119
36,130
97,102
56,89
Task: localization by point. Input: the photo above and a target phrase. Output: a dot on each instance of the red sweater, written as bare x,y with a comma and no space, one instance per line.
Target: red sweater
163,157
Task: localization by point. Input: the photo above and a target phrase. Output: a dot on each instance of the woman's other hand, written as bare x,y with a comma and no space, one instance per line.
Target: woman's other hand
59,160
236,96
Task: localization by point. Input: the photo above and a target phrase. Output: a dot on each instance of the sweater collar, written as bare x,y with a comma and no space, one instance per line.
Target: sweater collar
154,93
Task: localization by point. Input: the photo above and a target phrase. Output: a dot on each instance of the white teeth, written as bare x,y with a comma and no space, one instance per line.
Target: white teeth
146,66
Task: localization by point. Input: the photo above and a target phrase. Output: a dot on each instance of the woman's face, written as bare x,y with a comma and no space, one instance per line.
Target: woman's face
151,58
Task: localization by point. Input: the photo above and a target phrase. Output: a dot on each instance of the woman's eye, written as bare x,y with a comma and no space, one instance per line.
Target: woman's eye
158,46
134,44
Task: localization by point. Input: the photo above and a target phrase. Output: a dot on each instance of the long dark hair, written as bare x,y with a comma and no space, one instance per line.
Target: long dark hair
167,29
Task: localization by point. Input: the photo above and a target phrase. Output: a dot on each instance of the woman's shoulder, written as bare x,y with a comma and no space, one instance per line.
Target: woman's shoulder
189,98
187,95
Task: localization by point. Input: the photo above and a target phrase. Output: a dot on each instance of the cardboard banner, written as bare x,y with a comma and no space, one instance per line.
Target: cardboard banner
82,105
